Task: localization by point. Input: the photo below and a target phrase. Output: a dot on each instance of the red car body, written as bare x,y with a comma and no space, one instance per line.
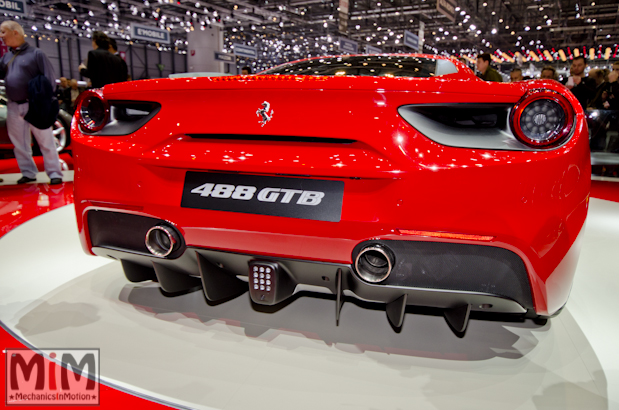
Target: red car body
399,186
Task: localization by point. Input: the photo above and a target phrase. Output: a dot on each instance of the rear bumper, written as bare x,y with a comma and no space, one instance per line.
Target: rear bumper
433,274
314,277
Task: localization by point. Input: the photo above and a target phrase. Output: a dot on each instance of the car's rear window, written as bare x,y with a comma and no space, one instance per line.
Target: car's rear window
374,66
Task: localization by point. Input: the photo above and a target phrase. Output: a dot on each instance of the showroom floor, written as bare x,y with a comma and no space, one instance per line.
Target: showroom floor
183,352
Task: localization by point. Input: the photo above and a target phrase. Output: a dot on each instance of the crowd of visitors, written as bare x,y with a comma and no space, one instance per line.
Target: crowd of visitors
34,100
599,90
67,92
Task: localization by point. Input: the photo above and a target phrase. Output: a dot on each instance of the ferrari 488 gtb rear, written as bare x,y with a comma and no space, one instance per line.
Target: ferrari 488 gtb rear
397,179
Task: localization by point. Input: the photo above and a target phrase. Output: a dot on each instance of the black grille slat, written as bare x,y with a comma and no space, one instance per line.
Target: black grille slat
275,138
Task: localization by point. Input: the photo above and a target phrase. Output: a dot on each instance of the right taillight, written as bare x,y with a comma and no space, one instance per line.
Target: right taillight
542,118
93,111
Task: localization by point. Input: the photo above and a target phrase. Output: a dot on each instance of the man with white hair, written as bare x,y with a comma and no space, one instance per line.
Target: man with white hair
20,65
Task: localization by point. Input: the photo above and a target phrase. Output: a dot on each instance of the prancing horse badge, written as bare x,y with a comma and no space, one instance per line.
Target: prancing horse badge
264,113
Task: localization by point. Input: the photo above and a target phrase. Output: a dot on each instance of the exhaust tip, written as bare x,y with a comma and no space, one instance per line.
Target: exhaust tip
161,240
374,263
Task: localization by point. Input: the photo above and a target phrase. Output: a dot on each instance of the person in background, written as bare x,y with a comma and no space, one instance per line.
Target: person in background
578,83
20,65
245,70
102,66
73,92
487,73
548,73
61,89
614,74
464,61
123,73
602,87
516,75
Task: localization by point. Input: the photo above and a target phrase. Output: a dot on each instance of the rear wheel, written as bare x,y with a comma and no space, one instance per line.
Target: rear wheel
61,134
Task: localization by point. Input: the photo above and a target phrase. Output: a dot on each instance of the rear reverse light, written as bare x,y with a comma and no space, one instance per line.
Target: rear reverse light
446,235
93,111
542,118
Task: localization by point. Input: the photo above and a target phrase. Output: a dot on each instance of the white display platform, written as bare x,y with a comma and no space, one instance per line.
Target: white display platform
230,356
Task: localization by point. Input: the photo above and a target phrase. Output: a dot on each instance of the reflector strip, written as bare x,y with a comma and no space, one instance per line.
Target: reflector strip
269,77
446,235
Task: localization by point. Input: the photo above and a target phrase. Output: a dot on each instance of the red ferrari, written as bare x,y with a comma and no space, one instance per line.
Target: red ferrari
396,179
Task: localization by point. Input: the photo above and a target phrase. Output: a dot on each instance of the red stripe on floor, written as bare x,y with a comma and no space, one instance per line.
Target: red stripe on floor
607,190
9,166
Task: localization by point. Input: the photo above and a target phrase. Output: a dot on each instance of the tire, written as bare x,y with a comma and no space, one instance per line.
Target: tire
62,133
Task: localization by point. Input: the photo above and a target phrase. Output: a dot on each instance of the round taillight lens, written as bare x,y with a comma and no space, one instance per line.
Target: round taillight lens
542,118
93,111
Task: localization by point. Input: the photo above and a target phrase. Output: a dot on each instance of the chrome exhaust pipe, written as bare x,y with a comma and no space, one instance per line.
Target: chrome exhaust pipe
161,240
374,263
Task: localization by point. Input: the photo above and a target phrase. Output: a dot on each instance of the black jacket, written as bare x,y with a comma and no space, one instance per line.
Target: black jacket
584,91
104,68
42,103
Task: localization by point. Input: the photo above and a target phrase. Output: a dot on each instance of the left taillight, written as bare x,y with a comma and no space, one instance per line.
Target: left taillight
542,118
92,111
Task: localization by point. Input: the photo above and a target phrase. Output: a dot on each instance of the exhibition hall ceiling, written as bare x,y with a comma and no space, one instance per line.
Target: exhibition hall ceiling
297,28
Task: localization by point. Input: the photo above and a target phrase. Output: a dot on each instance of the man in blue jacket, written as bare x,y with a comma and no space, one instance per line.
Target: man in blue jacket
20,65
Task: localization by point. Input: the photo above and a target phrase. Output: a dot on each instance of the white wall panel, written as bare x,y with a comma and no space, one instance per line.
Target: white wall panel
201,48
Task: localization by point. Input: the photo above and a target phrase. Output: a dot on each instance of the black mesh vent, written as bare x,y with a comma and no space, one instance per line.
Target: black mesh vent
449,266
474,116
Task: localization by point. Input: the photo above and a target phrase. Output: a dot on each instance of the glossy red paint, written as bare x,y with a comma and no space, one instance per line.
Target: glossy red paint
533,203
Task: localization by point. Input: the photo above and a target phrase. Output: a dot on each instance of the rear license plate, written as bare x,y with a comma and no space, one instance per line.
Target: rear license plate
315,199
